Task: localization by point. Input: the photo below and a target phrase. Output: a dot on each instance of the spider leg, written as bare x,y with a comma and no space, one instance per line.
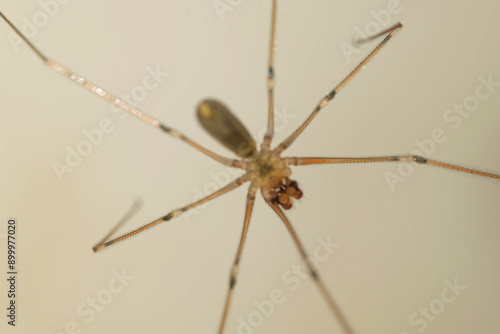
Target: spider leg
404,158
392,31
234,271
268,137
104,243
119,103
344,323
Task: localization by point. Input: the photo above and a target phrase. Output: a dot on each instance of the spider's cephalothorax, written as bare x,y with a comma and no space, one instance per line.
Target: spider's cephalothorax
265,168
270,172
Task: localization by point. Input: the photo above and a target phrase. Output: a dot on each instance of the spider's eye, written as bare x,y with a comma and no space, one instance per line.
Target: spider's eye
216,118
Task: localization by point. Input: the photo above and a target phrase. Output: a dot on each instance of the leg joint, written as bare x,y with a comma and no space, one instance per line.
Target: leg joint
234,273
414,158
314,274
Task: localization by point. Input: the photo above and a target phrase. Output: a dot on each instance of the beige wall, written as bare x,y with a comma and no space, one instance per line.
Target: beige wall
396,248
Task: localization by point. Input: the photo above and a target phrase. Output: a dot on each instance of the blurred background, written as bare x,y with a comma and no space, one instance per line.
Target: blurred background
396,249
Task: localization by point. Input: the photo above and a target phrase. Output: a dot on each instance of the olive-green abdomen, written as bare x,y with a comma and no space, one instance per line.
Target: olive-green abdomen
216,118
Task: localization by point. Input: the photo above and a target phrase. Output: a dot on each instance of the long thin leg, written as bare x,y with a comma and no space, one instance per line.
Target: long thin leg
287,142
268,137
344,323
135,207
121,104
405,158
231,186
234,271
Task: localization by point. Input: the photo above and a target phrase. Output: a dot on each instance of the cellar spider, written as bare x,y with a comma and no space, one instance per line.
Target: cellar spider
299,180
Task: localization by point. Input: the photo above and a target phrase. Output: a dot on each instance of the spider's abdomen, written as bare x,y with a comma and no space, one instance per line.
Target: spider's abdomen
216,118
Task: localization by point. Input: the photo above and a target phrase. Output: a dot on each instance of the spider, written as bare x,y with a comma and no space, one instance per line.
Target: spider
265,168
